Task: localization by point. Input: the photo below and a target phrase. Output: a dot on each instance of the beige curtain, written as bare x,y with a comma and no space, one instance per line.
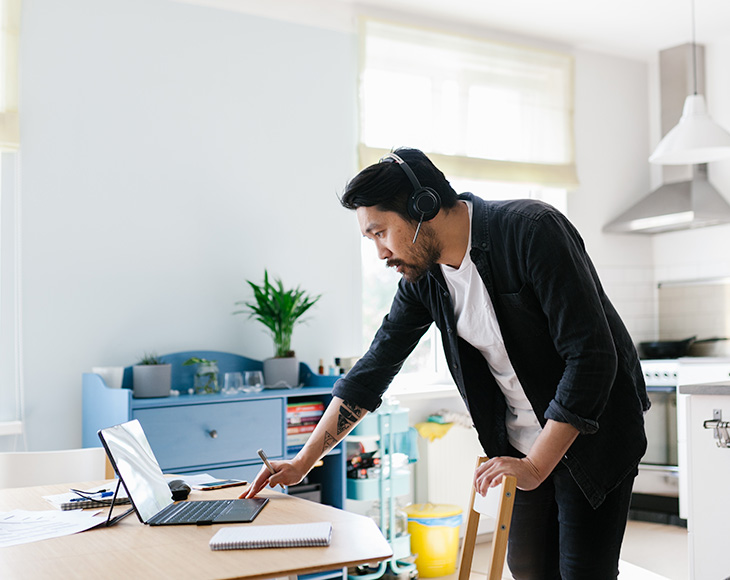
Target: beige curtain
480,109
9,40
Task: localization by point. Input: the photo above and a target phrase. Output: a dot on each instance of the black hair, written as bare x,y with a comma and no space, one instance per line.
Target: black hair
387,186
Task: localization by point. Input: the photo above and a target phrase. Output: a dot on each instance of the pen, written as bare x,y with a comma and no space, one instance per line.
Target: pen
265,459
96,492
101,495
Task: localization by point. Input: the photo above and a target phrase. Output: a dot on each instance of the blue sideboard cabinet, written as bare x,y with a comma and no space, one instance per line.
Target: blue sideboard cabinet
216,433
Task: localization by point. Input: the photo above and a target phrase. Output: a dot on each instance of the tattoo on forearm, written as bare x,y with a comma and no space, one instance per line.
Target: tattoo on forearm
329,441
349,414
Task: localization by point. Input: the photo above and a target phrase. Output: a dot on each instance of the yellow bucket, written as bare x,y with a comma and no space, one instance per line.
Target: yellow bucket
434,530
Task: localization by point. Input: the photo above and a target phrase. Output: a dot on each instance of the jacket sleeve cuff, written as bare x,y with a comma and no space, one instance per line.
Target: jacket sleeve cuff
351,392
557,412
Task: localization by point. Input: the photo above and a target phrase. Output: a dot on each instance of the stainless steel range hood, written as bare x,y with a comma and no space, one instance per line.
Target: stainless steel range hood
686,199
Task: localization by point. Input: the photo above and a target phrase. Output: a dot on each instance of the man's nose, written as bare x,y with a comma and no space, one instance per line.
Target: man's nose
383,252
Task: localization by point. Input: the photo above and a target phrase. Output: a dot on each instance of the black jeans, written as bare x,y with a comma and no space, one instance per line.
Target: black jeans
556,534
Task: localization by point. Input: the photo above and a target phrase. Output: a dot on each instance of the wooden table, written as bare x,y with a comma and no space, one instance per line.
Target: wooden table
131,549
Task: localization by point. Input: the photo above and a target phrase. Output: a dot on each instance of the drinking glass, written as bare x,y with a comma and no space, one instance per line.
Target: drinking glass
253,381
232,383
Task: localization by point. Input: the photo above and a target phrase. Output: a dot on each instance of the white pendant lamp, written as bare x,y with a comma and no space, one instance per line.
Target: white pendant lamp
696,138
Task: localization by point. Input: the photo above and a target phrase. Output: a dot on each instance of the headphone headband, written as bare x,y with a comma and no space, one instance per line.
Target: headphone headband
404,166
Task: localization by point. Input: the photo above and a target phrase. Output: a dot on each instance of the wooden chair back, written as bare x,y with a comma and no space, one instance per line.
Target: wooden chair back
501,530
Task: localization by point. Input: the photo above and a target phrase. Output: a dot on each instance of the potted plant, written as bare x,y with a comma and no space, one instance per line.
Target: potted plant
279,310
151,377
205,380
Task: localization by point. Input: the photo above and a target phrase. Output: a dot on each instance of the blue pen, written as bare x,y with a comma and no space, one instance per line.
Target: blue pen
99,494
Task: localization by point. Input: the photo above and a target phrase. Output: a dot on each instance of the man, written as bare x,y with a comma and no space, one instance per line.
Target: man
542,360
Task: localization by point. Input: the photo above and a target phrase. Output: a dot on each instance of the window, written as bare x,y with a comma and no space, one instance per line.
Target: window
495,118
481,110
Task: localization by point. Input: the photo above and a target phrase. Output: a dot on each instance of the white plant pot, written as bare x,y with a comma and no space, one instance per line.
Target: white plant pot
281,372
151,381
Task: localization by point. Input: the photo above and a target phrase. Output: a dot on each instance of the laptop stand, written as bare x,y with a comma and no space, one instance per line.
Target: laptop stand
110,521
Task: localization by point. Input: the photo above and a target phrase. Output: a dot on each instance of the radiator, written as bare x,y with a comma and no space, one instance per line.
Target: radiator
445,471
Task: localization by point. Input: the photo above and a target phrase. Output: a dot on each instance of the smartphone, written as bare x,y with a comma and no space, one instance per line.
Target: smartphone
219,484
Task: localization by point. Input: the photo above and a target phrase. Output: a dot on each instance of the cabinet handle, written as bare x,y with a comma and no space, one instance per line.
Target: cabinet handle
213,433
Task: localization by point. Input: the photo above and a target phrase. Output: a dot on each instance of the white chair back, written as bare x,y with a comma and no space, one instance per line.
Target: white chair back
26,468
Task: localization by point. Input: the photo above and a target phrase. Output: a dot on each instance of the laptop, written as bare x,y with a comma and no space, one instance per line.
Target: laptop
131,456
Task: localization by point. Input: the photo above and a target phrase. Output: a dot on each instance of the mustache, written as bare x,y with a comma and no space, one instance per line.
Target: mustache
394,263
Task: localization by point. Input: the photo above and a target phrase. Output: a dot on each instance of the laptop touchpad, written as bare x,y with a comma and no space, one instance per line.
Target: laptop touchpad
243,510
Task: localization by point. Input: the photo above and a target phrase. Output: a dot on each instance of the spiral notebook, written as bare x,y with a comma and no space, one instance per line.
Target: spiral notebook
273,536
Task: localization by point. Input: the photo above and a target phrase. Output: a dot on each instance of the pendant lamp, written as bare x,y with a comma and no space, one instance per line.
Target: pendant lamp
696,138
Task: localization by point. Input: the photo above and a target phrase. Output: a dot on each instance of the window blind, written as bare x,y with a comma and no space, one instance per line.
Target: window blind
480,109
9,39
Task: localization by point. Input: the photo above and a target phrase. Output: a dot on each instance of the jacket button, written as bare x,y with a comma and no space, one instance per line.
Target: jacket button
450,330
455,365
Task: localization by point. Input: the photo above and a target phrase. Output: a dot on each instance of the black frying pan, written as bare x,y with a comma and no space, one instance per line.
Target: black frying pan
665,348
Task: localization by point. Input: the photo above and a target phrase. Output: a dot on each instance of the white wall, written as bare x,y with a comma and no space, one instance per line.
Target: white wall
172,151
612,138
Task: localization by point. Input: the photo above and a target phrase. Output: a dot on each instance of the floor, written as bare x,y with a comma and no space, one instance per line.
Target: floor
657,548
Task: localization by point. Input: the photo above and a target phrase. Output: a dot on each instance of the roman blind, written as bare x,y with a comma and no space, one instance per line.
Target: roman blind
479,109
9,39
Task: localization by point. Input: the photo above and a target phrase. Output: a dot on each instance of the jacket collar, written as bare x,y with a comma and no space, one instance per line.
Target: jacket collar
479,232
479,226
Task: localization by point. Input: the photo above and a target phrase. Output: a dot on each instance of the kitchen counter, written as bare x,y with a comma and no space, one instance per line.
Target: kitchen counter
721,388
704,360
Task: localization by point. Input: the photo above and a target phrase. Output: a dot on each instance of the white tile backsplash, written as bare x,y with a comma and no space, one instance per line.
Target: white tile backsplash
677,256
632,291
696,309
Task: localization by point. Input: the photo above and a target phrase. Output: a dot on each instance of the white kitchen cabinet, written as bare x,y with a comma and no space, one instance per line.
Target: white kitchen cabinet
692,371
708,477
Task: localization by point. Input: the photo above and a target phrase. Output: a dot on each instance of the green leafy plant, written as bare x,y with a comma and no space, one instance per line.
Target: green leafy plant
206,376
196,361
150,359
279,310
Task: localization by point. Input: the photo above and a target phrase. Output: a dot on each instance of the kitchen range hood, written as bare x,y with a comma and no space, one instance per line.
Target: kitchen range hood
686,199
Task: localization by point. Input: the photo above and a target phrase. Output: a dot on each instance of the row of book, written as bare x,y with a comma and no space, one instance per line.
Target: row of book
301,419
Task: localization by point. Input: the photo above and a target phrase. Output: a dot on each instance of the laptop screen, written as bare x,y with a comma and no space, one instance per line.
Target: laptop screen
138,469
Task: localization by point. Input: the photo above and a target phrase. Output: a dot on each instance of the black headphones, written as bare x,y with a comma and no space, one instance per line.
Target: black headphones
423,203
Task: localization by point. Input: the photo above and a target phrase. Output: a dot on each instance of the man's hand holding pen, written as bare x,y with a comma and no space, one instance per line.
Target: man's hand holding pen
273,473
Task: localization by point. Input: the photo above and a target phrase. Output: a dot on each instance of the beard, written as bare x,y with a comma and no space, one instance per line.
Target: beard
423,256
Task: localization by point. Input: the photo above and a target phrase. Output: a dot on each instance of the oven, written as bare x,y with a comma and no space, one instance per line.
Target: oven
656,488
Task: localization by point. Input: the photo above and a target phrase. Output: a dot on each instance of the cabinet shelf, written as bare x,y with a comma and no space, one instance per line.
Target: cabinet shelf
369,489
384,426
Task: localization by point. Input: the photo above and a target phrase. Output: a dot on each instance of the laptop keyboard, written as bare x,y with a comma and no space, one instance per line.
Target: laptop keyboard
195,511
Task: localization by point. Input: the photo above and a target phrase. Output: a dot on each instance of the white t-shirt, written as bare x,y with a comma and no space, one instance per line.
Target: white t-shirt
476,323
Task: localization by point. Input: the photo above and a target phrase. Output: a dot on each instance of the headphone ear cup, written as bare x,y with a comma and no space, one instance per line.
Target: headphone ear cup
423,204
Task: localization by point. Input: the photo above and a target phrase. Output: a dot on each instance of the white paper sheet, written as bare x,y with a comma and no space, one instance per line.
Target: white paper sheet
23,526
